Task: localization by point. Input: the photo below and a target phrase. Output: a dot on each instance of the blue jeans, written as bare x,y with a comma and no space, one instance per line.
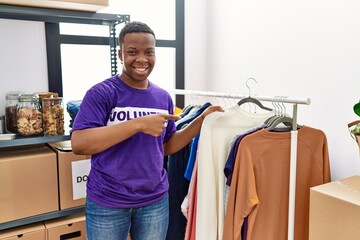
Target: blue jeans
143,223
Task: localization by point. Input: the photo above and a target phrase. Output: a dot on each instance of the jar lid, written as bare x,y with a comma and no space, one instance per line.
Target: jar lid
52,99
27,97
13,95
47,94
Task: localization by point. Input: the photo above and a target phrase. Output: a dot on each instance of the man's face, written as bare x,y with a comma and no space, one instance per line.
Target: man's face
138,55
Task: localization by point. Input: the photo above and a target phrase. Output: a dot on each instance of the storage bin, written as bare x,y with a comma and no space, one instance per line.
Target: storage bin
35,231
71,227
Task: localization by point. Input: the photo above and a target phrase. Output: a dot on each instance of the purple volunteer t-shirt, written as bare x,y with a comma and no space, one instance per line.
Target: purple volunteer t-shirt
130,173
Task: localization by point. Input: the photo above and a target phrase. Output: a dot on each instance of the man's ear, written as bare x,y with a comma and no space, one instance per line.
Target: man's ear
120,54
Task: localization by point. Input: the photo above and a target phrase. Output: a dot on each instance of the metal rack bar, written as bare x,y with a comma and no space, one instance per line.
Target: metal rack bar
113,52
22,141
58,15
306,101
42,217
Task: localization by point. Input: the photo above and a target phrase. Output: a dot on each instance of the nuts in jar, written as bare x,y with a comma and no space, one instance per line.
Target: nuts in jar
29,117
53,116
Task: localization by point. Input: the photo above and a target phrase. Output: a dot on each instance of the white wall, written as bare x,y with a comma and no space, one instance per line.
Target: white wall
304,49
23,65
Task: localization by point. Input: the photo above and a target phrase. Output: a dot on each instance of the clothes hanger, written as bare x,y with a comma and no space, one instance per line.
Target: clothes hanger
276,110
287,121
252,100
282,119
280,115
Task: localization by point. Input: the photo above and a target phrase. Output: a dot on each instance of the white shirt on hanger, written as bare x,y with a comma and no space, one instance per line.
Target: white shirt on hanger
217,132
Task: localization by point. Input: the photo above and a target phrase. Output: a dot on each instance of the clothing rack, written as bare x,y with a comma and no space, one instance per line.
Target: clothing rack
239,96
293,141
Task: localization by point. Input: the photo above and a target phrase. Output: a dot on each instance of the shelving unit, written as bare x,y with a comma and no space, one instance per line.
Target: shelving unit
52,18
23,141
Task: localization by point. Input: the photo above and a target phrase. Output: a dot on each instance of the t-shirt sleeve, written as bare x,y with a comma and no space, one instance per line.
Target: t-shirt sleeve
93,111
171,127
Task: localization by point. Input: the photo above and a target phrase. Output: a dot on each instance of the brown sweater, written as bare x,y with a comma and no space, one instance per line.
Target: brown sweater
260,183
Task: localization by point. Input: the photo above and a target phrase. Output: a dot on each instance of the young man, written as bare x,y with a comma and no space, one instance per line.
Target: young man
127,124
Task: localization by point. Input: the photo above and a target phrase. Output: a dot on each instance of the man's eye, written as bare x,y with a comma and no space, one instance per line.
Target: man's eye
132,53
150,53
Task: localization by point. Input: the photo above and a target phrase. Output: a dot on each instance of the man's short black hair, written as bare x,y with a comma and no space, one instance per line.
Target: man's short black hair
134,27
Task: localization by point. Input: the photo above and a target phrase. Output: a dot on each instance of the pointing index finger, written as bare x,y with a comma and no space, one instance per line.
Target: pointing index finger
171,117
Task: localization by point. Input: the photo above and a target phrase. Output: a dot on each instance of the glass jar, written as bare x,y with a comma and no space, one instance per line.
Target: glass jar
42,95
29,117
53,116
11,103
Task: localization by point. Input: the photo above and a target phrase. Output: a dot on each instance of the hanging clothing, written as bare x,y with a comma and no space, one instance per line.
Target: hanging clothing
217,130
188,207
230,161
260,183
192,157
228,169
178,185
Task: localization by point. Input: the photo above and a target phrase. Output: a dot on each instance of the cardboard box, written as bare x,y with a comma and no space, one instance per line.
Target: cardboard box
72,227
73,171
34,231
28,182
335,210
80,5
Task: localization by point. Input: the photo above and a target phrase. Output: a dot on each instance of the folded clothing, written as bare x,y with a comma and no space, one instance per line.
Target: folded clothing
72,108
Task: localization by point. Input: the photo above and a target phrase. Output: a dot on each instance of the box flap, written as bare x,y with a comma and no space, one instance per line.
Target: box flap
352,182
22,152
22,230
347,189
64,220
62,146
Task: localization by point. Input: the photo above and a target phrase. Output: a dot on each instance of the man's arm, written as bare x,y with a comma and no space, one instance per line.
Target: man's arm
94,140
182,137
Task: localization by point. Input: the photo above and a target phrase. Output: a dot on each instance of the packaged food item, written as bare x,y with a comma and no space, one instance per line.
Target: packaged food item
11,103
29,117
53,116
7,136
2,124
